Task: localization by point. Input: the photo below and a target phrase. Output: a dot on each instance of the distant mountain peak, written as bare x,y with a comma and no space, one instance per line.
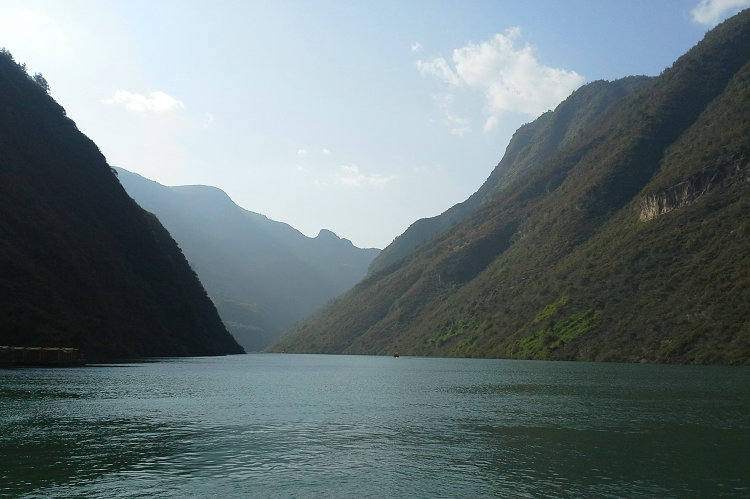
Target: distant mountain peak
262,274
327,234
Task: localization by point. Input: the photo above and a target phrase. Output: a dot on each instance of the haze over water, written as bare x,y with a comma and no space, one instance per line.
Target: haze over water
355,426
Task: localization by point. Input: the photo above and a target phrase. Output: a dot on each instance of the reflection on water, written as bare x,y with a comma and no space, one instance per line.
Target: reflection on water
340,426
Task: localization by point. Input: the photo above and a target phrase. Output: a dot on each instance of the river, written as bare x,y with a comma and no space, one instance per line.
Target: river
274,425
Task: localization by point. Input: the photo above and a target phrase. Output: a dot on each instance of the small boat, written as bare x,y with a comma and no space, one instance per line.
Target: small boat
395,354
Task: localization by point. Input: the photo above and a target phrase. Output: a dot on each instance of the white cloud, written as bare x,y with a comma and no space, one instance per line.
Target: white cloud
510,77
416,47
457,125
352,176
153,102
711,12
378,180
439,67
306,153
490,124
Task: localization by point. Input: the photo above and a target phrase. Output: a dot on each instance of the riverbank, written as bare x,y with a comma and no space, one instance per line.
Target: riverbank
14,356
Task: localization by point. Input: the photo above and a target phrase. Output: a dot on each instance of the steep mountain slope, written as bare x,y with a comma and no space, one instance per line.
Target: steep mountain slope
630,242
532,144
262,275
81,265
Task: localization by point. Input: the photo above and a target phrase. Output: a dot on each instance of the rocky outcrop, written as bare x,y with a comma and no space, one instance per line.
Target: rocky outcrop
693,188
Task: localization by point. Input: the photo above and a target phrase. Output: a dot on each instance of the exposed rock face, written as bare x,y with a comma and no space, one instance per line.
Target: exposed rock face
690,190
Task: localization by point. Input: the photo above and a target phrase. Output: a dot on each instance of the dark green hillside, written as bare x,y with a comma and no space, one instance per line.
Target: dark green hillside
81,264
262,275
627,242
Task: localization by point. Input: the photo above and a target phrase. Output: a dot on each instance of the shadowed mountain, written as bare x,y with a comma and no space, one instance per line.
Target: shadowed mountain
621,233
81,264
262,275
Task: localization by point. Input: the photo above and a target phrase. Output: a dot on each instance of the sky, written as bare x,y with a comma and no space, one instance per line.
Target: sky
360,117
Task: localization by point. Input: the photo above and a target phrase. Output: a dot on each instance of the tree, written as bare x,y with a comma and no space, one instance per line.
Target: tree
41,81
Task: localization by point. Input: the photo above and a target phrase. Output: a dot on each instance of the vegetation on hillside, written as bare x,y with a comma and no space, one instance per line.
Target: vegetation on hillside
82,265
532,144
619,236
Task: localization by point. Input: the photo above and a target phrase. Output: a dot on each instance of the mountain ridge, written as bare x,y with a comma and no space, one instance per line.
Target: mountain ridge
561,264
82,265
531,143
263,275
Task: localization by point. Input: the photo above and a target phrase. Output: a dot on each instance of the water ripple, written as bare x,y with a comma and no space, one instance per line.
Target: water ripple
321,426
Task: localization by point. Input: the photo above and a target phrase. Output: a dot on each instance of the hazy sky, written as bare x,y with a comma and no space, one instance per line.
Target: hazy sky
355,116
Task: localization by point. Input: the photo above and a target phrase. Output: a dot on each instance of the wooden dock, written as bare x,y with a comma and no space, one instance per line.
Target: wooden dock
11,356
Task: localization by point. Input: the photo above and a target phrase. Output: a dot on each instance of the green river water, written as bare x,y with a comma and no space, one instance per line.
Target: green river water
271,425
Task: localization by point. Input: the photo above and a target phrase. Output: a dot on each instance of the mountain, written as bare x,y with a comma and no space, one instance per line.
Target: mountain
626,240
262,275
81,264
532,144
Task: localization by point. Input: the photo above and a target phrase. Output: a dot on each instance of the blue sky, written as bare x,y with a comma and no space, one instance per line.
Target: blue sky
359,117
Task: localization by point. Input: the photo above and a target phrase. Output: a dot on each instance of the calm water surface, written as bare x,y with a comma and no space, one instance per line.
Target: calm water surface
353,426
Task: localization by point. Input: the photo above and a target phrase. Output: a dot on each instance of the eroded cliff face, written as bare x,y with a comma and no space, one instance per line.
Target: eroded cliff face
693,188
